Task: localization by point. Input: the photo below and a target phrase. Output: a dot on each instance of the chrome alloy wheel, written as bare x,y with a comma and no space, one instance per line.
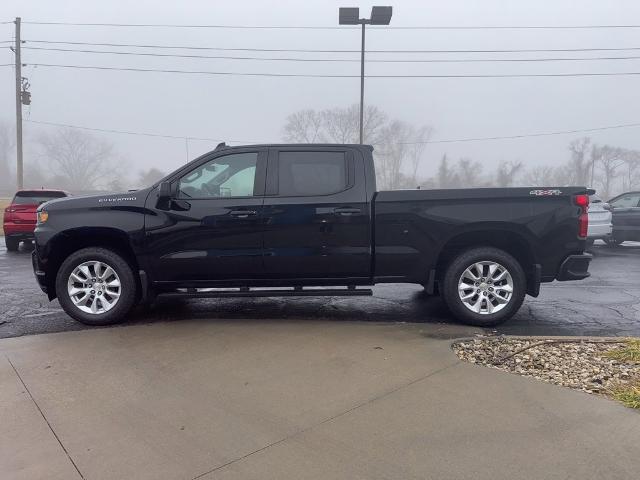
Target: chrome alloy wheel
94,287
485,287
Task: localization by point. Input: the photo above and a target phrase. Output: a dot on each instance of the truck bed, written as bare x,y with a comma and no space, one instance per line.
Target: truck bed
412,227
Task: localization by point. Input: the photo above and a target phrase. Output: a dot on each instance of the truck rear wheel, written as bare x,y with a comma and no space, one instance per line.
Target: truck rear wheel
484,286
96,286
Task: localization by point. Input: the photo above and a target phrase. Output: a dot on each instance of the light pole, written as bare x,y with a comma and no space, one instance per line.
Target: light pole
351,16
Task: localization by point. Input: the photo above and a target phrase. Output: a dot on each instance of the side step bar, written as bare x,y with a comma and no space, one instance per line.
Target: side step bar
258,292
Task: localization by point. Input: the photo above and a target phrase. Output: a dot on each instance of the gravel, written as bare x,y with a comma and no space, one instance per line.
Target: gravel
580,365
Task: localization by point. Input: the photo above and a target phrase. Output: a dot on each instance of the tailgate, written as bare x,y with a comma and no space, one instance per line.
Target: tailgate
23,214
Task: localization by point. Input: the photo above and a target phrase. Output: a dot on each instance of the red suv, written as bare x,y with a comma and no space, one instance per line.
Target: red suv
20,215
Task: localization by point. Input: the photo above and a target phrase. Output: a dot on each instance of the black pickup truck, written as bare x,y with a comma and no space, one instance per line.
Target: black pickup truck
295,220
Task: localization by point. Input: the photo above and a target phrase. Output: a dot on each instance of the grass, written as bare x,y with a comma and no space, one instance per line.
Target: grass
629,353
628,395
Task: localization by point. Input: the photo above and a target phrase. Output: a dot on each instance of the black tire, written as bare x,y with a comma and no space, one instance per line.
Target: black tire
588,244
466,259
128,293
12,244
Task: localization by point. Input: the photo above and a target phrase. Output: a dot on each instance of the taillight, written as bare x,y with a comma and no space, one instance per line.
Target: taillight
7,213
583,220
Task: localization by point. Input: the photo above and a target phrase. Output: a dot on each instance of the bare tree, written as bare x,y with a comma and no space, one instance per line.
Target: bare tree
391,154
399,143
507,172
541,176
579,168
631,170
416,147
609,161
78,160
304,126
342,125
446,177
468,173
149,177
338,125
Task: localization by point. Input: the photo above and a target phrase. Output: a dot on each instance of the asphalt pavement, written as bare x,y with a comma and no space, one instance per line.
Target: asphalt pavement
607,303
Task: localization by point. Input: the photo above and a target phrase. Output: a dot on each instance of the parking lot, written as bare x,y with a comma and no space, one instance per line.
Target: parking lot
608,303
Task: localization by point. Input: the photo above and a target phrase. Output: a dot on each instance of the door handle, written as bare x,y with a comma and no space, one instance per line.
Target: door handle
243,213
346,211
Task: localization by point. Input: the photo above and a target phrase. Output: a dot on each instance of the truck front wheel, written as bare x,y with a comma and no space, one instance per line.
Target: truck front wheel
96,286
484,286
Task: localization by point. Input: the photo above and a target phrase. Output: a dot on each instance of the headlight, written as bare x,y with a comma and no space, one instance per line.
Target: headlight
43,216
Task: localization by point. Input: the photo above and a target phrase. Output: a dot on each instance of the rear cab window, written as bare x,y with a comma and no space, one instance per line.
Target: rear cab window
36,197
311,173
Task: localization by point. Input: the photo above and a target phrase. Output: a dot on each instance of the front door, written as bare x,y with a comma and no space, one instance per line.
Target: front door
316,214
213,228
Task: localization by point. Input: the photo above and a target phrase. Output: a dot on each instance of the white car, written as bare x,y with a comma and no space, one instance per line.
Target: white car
600,220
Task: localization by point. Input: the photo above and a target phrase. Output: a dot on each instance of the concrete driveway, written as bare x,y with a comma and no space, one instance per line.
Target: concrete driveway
280,399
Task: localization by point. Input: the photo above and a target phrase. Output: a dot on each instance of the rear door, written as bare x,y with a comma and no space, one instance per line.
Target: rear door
317,218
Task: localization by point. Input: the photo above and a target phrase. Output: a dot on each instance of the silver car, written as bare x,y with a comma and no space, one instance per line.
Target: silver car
600,223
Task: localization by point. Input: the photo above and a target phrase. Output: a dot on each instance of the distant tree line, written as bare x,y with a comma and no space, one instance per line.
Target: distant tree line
610,170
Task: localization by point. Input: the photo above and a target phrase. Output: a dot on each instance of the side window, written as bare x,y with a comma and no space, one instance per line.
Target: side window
627,201
228,176
311,173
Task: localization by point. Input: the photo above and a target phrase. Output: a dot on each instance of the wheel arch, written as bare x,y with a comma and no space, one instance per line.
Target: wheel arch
516,244
70,241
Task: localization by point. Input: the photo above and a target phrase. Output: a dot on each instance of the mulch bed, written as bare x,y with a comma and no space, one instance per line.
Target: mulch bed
578,364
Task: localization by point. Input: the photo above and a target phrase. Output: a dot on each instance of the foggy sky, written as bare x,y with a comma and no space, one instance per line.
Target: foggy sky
253,109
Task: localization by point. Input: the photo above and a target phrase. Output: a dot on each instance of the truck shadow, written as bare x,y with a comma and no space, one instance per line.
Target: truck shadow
396,305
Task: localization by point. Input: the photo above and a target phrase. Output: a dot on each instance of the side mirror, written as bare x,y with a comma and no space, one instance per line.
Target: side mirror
164,196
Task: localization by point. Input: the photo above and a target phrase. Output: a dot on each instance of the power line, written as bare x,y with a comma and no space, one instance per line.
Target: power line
128,132
528,135
288,59
113,52
458,140
184,47
305,75
6,65
333,27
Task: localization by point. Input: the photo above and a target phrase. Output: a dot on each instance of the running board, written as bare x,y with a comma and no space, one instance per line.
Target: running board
257,292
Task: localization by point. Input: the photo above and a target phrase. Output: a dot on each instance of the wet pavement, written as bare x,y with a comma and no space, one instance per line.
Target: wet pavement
607,303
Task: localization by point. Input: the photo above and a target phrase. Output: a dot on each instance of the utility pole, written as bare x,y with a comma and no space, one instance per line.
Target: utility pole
351,16
362,88
19,170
